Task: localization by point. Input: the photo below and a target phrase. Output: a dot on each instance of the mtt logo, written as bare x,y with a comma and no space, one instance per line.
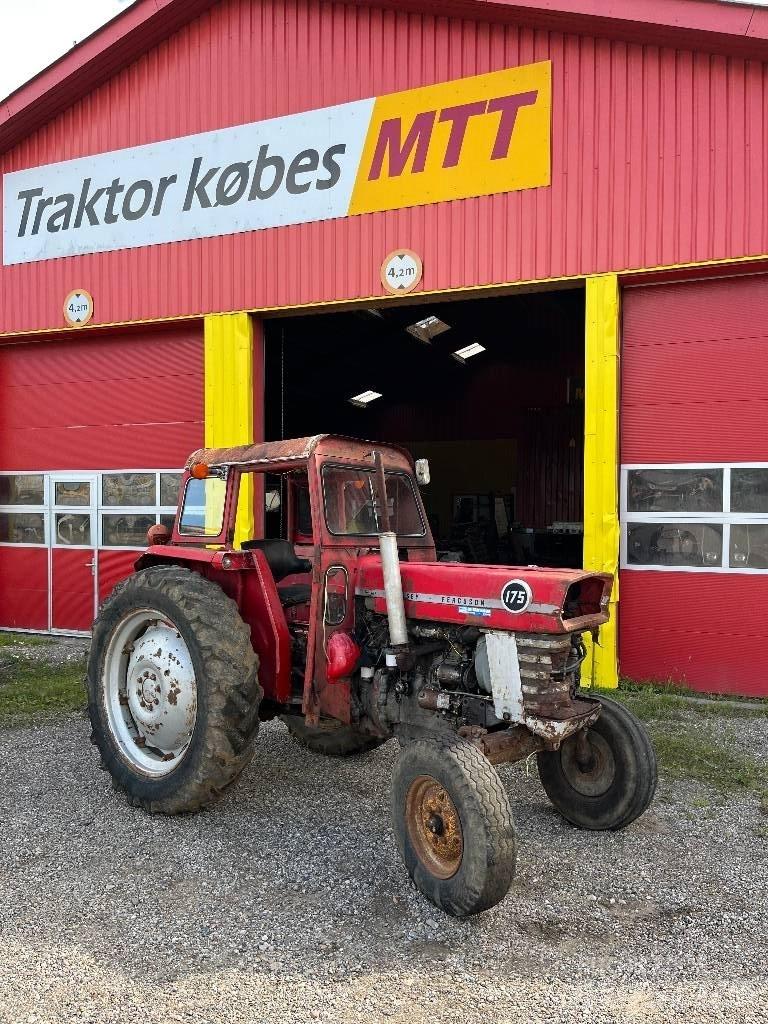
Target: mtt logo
472,137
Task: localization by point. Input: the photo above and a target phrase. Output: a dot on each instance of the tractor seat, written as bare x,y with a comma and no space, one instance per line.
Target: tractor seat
281,558
294,594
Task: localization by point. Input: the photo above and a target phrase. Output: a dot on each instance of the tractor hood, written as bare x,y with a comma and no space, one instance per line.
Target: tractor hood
525,600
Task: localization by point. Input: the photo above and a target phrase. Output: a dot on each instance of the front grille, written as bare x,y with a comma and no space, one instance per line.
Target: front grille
543,659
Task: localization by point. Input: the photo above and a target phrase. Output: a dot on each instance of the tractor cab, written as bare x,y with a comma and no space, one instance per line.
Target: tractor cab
324,514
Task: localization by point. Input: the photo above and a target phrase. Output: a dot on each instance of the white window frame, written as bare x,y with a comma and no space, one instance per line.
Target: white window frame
43,509
724,518
49,476
155,510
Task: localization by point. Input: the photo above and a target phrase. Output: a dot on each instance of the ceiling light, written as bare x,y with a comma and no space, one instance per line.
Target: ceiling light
463,354
364,398
427,329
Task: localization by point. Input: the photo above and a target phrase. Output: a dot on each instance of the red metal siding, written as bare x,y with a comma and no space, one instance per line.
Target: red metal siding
659,157
695,389
106,402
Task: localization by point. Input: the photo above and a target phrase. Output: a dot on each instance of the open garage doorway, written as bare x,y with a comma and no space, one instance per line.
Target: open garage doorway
490,390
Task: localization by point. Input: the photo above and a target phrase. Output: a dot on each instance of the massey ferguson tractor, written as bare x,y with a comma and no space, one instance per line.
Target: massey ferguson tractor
348,629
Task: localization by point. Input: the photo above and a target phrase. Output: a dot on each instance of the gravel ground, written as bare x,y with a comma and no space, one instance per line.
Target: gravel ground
287,902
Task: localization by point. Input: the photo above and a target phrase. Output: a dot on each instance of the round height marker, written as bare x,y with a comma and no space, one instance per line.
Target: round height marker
78,307
401,271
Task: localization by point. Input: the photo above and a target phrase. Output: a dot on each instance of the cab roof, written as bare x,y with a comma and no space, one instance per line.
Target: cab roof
298,450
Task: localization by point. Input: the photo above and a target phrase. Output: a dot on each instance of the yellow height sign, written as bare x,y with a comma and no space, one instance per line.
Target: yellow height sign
470,137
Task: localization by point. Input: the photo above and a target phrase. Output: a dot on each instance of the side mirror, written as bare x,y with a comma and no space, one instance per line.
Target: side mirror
422,472
272,501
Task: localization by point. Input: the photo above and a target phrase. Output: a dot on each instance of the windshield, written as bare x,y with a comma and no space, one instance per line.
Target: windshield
350,505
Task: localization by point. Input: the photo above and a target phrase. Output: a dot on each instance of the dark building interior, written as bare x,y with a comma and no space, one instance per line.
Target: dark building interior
490,390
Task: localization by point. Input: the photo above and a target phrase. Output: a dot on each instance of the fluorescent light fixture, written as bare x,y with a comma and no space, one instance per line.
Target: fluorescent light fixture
427,329
364,398
463,354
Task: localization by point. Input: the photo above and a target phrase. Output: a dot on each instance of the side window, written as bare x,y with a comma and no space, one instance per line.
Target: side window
302,516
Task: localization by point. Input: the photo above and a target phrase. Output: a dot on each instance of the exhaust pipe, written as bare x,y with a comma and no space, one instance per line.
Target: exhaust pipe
390,561
393,589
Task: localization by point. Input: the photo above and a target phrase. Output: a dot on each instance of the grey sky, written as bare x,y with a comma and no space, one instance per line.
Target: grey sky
36,32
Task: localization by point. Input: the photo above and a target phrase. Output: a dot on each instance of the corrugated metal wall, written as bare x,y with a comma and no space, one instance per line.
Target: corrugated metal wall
106,402
695,390
658,157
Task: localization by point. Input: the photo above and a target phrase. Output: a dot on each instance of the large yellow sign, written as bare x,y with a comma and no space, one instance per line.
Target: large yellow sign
470,137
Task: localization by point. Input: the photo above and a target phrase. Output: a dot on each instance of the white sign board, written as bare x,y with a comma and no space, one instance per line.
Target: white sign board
288,170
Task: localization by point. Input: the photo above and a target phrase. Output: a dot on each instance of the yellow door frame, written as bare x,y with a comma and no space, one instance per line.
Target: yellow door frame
601,463
234,353
229,344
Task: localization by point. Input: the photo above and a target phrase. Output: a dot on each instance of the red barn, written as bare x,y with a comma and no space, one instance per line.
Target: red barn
530,242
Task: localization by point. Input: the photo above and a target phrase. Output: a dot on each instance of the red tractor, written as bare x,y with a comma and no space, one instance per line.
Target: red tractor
348,629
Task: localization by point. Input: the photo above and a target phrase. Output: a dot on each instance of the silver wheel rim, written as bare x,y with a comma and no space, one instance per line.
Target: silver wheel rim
150,692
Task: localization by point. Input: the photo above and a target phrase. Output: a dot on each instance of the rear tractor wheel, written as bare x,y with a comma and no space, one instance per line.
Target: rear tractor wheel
173,691
330,737
453,824
604,777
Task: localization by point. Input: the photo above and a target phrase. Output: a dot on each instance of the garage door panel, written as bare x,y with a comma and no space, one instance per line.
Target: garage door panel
702,630
95,401
709,370
24,587
688,312
161,445
160,397
694,391
107,357
716,427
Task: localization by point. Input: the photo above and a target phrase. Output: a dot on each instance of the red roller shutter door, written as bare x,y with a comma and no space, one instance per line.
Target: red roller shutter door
694,378
123,401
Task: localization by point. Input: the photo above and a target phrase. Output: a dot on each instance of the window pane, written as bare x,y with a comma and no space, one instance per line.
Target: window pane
749,490
170,484
168,521
125,531
73,528
350,507
349,504
22,489
675,490
674,544
749,546
72,492
203,511
22,528
128,489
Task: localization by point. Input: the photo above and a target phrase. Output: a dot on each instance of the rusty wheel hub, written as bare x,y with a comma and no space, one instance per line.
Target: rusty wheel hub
434,826
588,763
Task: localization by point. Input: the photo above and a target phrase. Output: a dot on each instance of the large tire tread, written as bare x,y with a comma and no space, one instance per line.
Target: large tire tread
227,669
640,788
488,863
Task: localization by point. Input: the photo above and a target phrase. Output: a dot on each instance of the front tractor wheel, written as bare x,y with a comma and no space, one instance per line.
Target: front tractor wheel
173,691
453,824
602,778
